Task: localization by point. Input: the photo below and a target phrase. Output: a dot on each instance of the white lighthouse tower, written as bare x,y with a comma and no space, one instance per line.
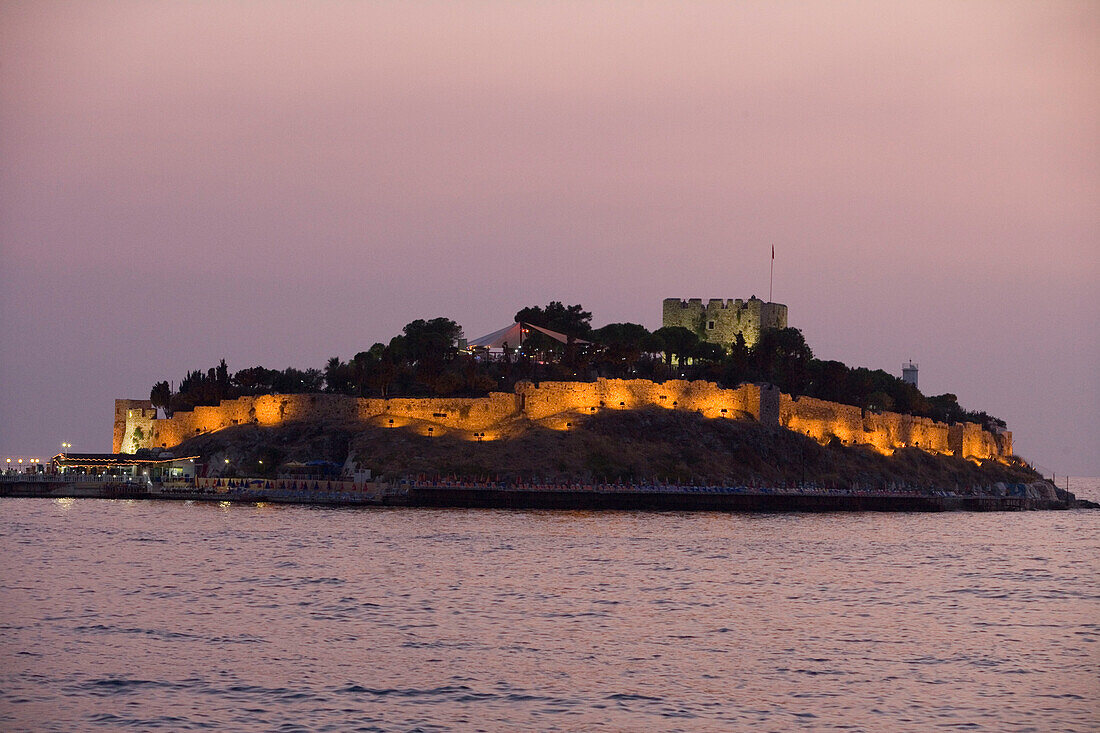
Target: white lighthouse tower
909,373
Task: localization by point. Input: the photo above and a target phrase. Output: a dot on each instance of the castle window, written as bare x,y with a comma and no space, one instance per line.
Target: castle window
710,324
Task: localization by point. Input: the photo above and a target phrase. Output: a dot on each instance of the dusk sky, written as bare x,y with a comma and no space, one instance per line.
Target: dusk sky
277,183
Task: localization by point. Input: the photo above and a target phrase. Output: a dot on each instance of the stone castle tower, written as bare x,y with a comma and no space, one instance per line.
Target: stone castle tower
720,321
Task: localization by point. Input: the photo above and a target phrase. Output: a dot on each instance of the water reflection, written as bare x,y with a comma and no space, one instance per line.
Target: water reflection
436,619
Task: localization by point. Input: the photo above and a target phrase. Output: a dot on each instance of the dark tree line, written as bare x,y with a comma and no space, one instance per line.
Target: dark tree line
425,360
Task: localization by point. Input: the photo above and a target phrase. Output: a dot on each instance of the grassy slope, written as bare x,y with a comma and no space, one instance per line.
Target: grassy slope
636,444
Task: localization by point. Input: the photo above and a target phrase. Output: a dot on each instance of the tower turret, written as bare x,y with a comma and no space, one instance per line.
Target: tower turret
909,373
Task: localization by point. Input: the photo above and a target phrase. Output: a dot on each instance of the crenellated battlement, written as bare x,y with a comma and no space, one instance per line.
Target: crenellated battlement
133,425
558,405
720,321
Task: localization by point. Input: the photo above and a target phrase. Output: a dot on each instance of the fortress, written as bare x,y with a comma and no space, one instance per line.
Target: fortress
557,405
720,321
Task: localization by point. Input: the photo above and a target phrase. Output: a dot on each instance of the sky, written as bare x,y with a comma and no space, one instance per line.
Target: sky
277,183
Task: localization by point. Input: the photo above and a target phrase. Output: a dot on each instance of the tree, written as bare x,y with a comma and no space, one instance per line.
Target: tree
197,388
255,380
653,343
880,401
622,346
381,375
221,381
829,380
707,351
161,396
298,381
572,320
433,341
738,367
338,376
676,340
782,357
359,367
623,342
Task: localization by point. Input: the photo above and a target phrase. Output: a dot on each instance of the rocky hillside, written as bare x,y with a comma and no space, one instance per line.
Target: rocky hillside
636,444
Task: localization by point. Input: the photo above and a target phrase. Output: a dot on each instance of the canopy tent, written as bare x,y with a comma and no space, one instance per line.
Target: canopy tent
514,336
164,465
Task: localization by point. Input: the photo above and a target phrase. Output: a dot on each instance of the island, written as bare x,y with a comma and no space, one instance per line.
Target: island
722,408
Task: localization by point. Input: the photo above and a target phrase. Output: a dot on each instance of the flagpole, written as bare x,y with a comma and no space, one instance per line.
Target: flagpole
771,275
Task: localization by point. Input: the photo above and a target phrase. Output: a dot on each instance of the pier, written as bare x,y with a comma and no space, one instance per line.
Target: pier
502,495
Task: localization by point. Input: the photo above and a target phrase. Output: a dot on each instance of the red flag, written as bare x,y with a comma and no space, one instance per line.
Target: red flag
773,251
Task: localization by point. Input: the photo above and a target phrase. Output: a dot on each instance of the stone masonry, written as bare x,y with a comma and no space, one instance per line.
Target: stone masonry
557,405
719,321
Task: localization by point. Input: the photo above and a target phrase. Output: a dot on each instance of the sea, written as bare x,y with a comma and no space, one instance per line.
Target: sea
180,616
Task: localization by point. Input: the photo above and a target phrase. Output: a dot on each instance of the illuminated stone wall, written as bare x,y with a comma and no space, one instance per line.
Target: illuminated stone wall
442,414
129,414
888,431
556,401
969,439
720,320
558,404
466,415
885,431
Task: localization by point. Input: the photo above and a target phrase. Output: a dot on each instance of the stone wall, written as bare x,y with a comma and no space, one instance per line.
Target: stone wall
560,401
442,414
557,404
130,414
969,439
888,431
720,320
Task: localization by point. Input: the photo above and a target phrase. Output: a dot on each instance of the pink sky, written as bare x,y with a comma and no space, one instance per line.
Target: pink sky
278,183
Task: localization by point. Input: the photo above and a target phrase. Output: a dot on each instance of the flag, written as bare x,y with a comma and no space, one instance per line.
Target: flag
773,251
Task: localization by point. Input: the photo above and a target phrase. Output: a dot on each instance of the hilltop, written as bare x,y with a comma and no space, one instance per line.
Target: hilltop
640,444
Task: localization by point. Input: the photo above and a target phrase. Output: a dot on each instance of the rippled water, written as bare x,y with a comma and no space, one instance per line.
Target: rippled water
146,615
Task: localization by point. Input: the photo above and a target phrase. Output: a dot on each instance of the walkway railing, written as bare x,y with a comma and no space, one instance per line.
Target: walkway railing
670,488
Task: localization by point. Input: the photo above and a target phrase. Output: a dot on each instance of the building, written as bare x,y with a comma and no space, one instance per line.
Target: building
719,321
909,373
142,466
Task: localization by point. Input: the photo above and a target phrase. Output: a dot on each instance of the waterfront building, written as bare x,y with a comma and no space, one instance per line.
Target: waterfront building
162,467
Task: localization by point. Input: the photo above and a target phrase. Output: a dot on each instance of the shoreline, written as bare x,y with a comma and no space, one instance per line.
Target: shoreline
610,497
